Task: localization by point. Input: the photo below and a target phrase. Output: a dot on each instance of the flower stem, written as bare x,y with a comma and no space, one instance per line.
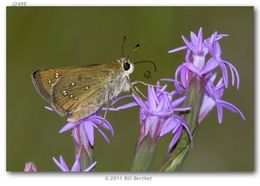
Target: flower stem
144,155
194,99
86,159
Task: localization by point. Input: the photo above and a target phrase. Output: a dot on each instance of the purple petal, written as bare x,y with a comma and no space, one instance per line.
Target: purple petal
183,76
192,68
159,114
232,76
213,37
181,109
187,55
162,89
152,124
213,77
220,113
225,73
231,66
217,49
178,101
219,89
194,40
120,98
122,107
168,126
108,126
176,137
220,84
232,108
140,102
89,129
236,72
163,104
76,165
210,66
186,126
177,73
75,135
63,163
62,167
177,126
189,45
98,119
30,167
168,99
158,85
200,38
102,133
91,167
210,89
152,99
220,36
68,126
209,47
102,121
170,80
83,137
177,49
207,105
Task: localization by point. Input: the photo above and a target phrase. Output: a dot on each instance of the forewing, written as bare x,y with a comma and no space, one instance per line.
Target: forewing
82,92
43,80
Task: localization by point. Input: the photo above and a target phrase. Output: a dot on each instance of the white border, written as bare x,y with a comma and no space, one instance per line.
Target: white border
172,179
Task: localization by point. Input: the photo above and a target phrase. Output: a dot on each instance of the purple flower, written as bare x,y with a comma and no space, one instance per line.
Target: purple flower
196,44
75,167
87,126
215,51
195,59
212,98
30,167
158,114
158,110
197,65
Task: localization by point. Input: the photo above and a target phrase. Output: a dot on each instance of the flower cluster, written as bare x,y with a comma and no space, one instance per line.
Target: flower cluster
158,115
87,126
83,137
30,167
201,60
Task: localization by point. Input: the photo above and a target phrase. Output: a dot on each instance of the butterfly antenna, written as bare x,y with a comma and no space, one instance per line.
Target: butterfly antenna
134,49
123,46
148,74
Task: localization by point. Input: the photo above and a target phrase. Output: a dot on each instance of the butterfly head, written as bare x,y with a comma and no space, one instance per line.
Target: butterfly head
127,65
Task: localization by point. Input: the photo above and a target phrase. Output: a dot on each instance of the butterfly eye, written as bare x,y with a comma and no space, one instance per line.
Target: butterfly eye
126,66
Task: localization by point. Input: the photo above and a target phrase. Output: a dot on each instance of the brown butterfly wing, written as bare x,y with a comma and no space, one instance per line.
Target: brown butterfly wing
83,91
43,80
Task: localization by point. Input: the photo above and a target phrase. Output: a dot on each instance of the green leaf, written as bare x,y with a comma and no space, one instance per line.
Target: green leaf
195,95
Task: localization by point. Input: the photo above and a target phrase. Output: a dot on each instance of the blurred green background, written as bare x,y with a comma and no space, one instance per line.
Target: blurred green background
44,37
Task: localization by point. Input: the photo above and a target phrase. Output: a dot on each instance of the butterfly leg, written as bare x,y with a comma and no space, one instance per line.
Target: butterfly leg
139,91
135,83
134,88
107,104
109,96
143,83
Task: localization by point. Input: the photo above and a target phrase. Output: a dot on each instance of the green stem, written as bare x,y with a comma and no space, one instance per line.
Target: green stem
194,99
86,159
144,155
